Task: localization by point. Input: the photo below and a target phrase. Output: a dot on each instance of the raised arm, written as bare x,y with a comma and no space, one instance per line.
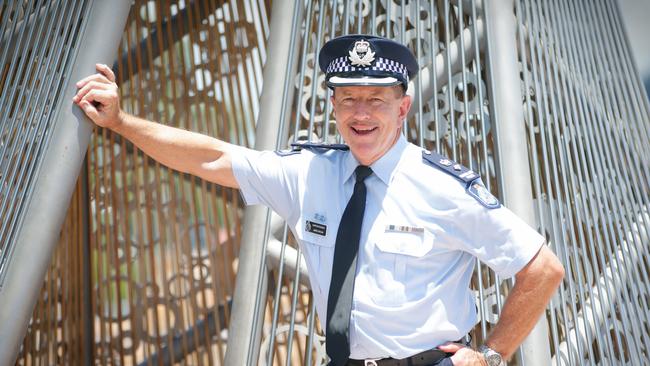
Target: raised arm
182,150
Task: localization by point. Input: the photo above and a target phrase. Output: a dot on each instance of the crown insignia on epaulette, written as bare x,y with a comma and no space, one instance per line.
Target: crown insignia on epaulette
361,54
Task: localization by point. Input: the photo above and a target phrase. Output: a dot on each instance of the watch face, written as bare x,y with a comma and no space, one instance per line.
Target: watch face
493,359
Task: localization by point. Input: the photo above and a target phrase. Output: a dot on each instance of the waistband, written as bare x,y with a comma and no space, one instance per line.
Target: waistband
421,359
425,358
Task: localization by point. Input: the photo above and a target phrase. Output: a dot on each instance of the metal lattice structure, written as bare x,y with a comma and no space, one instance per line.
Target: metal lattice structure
539,97
42,144
587,120
168,240
160,246
27,101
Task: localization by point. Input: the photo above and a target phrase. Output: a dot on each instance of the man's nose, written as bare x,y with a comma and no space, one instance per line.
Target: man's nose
362,111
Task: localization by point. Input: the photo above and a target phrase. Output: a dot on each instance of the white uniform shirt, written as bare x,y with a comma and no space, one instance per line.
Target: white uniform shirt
412,284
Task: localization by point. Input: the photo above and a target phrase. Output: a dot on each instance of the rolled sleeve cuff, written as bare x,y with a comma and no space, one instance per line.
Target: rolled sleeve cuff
523,258
242,169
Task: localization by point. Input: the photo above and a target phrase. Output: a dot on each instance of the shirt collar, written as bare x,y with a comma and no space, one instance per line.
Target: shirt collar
383,167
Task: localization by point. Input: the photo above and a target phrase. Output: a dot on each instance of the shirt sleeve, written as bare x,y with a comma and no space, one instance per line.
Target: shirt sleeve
498,237
264,177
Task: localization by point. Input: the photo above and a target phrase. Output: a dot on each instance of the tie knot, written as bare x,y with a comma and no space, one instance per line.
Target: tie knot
362,172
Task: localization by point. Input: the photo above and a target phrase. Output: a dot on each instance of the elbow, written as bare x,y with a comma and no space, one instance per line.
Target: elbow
557,273
553,270
545,268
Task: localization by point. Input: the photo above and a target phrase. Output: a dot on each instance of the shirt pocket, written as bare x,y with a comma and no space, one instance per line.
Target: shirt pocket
318,250
403,249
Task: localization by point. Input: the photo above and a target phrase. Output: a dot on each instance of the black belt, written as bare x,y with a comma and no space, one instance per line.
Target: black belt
425,358
421,359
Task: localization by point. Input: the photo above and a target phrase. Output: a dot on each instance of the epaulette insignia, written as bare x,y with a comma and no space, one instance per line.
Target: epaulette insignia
473,184
450,167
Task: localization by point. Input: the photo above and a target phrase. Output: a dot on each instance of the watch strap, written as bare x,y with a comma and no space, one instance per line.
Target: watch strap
492,357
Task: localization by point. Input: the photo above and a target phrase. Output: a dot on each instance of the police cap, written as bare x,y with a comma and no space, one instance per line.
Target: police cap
360,59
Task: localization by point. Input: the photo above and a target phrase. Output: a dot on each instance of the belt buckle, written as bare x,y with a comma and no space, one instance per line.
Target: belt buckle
371,362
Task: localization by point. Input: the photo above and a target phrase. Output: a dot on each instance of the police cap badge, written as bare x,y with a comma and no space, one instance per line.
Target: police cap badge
360,59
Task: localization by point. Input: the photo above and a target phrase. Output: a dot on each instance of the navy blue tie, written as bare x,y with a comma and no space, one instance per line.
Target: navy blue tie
339,300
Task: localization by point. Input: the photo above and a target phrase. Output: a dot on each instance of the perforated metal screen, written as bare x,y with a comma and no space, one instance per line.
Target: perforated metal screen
37,44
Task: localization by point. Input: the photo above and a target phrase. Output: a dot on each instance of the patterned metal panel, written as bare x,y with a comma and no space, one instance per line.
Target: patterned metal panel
58,333
37,48
163,243
162,246
588,121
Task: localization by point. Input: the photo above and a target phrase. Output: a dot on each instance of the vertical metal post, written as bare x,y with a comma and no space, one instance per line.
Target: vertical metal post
510,136
87,318
55,180
247,316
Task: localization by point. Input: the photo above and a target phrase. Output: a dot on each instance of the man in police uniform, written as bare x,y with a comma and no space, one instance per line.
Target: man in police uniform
391,282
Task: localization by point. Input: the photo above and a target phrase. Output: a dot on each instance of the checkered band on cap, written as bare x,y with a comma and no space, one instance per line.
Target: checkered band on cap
342,64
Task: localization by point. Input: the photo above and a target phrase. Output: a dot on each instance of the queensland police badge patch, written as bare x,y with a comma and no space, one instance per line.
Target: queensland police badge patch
477,190
361,55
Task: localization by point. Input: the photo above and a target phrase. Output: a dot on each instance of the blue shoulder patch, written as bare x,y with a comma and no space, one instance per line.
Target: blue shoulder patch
477,190
473,184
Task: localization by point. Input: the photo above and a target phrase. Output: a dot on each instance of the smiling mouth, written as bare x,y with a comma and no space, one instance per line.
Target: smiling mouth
363,130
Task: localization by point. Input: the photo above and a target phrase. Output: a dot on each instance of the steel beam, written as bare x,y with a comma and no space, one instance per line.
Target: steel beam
511,142
56,179
252,275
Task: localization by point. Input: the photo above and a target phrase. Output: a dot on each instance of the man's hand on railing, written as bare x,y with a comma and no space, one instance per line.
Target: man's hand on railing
99,98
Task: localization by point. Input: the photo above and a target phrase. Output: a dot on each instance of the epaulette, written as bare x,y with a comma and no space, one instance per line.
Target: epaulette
287,152
450,167
318,147
472,180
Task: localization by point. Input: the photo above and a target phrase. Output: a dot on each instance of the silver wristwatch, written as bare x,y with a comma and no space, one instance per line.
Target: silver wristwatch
492,357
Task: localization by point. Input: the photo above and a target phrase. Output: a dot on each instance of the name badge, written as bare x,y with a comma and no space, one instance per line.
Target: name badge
404,229
316,228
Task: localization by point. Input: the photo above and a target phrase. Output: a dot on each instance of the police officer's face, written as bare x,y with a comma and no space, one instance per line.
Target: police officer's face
369,118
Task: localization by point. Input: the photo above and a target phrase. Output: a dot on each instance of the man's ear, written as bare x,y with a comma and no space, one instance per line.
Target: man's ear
405,106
